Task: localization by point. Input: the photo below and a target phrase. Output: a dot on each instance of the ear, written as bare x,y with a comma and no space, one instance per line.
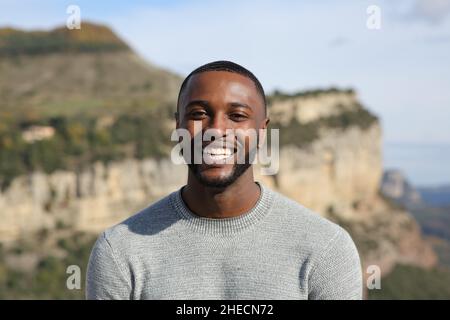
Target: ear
261,134
177,122
266,123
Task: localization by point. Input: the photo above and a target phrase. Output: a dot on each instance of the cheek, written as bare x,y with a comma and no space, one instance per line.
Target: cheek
248,138
194,128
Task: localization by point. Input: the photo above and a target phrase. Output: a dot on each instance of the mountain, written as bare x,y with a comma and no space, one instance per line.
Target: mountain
65,72
92,38
85,143
395,186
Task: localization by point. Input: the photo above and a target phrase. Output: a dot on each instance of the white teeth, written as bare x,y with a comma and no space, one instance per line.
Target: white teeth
217,154
218,151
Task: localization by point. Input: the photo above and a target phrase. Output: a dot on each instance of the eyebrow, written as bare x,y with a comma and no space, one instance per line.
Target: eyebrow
202,103
241,105
206,104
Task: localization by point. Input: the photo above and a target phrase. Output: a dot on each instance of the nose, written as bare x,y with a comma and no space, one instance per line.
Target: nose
218,125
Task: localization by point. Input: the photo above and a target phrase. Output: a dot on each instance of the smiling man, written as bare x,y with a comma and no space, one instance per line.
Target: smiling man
224,235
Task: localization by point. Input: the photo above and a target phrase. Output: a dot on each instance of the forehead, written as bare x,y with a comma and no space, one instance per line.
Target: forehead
221,86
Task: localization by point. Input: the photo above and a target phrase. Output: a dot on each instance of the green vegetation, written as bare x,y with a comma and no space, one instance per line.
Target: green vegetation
47,280
103,102
435,223
80,141
279,95
442,249
93,38
302,134
296,133
359,117
408,282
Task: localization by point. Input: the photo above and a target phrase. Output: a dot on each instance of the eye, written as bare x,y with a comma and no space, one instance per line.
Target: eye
197,114
238,116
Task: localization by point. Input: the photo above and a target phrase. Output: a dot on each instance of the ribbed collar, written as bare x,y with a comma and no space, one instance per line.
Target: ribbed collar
224,226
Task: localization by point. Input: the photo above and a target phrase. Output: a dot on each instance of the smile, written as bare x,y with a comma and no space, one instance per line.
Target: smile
215,155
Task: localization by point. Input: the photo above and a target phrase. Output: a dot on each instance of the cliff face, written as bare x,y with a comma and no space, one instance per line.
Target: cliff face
90,200
309,106
336,170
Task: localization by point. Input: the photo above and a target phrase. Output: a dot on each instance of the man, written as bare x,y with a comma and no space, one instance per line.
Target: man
224,235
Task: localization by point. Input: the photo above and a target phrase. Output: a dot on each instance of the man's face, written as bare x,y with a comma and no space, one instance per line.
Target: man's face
221,100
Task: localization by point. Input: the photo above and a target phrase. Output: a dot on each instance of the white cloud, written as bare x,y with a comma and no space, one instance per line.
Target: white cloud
434,11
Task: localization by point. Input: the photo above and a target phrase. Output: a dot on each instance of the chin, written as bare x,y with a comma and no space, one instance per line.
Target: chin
219,177
216,180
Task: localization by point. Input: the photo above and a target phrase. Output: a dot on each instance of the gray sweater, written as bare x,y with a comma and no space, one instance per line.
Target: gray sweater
277,250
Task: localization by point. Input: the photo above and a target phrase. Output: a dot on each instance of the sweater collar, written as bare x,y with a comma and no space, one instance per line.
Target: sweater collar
224,226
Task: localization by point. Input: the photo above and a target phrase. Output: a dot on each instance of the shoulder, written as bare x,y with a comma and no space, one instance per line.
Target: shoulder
306,226
148,221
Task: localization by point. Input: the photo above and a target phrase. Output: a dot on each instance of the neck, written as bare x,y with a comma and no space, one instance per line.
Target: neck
231,201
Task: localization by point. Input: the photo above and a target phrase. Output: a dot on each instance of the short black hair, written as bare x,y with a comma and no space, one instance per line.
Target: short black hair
229,66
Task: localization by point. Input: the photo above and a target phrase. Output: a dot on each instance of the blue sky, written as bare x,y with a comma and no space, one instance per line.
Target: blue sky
401,72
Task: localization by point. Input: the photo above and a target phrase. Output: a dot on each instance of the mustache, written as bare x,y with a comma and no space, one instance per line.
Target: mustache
225,144
234,143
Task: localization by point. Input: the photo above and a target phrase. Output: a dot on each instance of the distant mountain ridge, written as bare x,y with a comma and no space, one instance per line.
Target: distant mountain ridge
91,38
87,71
395,186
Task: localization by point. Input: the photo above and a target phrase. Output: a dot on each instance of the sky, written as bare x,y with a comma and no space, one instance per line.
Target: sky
400,71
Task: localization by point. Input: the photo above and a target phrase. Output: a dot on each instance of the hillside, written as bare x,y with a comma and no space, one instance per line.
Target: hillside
66,72
88,89
91,38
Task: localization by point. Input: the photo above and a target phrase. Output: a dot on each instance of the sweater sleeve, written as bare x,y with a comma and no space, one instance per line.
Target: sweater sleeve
105,279
337,274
